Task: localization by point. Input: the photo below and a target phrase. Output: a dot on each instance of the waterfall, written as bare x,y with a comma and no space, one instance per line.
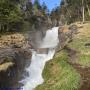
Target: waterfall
38,61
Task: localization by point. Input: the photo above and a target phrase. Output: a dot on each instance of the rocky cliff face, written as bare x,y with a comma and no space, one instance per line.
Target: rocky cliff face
14,57
12,65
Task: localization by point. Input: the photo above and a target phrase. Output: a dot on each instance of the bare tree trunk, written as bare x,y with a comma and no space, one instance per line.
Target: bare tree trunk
0,26
88,10
83,12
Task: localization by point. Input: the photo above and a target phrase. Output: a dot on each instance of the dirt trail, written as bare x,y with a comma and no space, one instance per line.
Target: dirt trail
83,71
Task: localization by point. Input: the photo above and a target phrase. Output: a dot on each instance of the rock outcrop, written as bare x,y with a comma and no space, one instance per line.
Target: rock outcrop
14,57
12,66
65,35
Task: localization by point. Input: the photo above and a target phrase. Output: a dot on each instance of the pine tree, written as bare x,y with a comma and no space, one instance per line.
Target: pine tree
10,14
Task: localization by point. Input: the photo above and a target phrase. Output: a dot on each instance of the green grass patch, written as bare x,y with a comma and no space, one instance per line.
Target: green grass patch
59,75
84,52
79,44
84,60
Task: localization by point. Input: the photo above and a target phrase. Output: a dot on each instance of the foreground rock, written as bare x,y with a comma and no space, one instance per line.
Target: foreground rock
12,65
14,57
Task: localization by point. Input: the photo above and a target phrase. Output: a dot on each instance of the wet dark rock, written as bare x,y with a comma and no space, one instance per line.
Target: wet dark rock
20,58
16,46
5,59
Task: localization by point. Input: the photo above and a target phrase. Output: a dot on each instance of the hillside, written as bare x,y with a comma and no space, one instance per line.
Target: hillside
70,68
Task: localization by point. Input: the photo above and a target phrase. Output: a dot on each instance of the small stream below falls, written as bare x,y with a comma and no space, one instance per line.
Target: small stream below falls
38,60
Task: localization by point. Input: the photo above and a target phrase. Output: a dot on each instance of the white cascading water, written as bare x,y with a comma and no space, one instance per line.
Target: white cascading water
38,61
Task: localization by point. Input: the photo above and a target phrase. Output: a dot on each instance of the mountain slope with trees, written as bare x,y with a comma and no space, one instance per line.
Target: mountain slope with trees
15,15
72,10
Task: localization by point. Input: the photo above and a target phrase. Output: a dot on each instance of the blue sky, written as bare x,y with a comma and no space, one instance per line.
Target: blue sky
51,3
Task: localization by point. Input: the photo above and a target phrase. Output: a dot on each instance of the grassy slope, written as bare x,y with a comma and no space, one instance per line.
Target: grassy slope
79,44
59,75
